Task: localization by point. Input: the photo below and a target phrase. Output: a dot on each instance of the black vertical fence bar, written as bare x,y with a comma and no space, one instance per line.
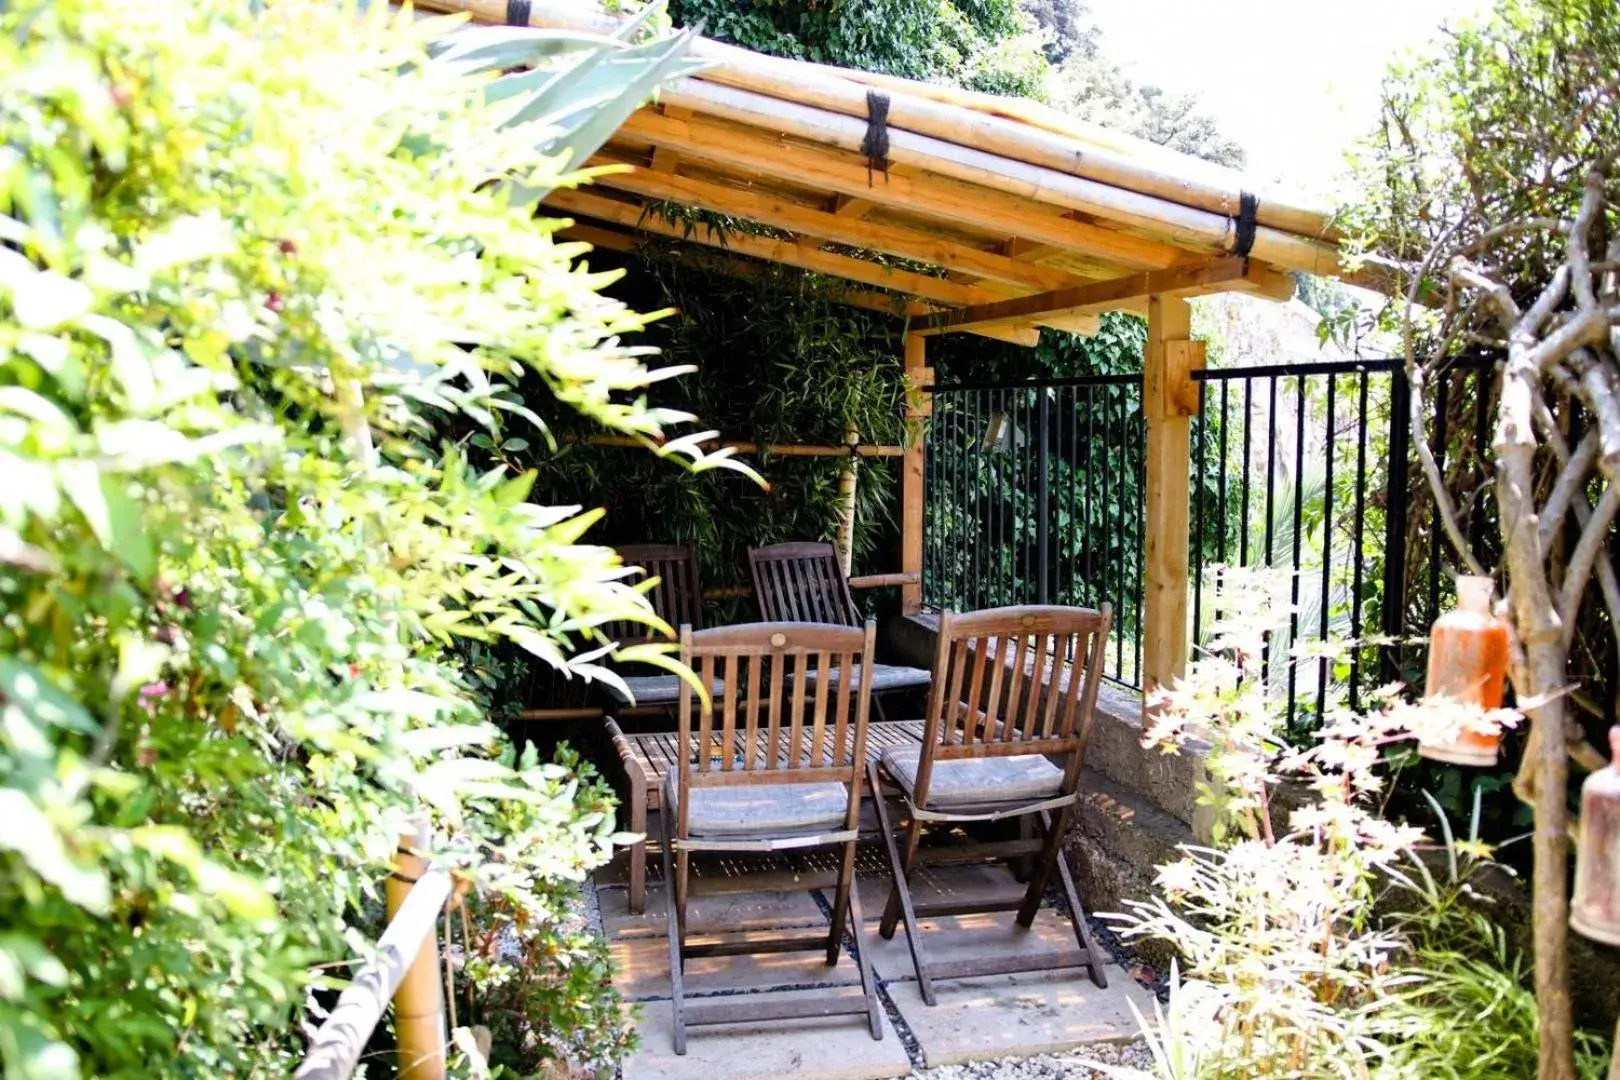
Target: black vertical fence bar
1393,610
1138,575
1442,411
1360,569
1299,529
1043,500
1248,429
1482,400
1201,424
1328,447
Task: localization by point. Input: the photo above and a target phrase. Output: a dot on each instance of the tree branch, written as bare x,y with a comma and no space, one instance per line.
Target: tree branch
1594,536
1571,480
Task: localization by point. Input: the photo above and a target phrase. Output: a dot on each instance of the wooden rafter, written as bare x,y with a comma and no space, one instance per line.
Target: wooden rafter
866,299
1217,273
782,213
791,252
754,153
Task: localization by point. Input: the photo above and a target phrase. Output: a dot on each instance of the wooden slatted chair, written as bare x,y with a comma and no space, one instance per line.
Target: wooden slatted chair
776,764
678,599
1004,736
804,582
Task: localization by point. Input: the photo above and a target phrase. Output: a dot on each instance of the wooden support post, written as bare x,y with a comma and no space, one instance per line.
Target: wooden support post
919,404
1169,398
848,498
419,1001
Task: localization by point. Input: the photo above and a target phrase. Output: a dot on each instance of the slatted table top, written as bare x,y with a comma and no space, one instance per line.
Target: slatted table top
656,753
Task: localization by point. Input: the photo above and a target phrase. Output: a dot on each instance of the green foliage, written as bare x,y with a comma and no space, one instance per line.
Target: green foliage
1500,123
251,260
778,361
979,44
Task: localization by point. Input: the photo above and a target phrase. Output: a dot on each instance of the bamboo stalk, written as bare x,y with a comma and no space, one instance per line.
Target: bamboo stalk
1019,130
848,497
335,1049
774,449
883,581
419,1000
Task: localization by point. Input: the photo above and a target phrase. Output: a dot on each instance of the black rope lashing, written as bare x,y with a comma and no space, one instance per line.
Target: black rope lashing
517,12
876,144
1248,212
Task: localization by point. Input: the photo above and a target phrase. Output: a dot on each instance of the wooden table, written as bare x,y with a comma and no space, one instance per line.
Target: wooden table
649,758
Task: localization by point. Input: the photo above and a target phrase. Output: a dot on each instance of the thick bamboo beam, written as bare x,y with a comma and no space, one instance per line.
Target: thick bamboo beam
1020,131
838,226
848,500
807,256
867,300
919,379
1181,225
755,153
1224,272
1169,399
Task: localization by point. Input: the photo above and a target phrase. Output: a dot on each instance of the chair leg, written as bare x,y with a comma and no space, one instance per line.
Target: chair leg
638,853
900,889
846,876
675,922
1051,851
1077,914
877,707
863,957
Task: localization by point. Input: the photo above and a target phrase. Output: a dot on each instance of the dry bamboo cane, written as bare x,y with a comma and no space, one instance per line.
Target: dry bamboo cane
419,1001
848,491
1015,129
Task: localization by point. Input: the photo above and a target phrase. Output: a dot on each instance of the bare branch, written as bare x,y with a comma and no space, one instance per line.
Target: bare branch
1597,391
1571,479
1507,309
1594,537
1580,262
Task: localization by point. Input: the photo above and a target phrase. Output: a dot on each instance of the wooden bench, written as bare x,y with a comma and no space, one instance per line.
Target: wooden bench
648,758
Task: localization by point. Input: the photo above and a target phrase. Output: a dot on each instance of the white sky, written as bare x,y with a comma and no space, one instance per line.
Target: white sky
1294,81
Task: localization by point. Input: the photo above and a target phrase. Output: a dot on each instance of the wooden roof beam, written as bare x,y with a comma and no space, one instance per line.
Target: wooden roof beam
792,252
849,206
866,299
768,209
754,153
1217,274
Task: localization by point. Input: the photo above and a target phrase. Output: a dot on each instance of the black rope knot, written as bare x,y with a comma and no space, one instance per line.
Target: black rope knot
876,144
1248,210
517,12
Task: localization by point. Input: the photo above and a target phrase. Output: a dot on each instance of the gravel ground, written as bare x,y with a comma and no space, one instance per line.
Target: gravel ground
1069,1066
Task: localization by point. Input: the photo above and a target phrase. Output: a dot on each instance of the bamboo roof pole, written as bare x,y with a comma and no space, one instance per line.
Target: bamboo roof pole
772,209
1182,225
1020,130
757,152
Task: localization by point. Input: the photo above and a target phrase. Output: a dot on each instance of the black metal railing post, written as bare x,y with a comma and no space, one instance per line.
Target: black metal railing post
1393,604
1043,498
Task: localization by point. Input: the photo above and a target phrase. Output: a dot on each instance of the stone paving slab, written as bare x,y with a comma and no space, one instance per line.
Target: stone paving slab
969,937
829,1048
641,968
733,911
981,882
1005,1015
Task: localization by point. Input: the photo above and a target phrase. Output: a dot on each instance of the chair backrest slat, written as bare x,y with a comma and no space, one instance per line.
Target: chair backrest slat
677,596
802,582
780,661
1016,680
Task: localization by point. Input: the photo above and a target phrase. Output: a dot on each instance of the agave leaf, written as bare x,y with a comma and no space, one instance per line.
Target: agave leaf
500,47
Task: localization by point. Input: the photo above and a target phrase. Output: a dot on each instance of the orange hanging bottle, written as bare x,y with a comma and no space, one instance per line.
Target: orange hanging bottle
1468,654
1596,910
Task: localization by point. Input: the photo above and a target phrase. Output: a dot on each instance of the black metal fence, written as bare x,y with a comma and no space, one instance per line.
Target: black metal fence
1034,494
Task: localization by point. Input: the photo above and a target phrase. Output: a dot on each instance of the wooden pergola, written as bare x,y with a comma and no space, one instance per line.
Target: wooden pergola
1015,217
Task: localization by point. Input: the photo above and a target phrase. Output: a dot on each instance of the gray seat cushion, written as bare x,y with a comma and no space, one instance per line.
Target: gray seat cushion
763,810
977,781
652,690
888,678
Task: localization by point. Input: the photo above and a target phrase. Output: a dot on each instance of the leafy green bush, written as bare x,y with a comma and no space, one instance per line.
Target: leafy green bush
248,261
